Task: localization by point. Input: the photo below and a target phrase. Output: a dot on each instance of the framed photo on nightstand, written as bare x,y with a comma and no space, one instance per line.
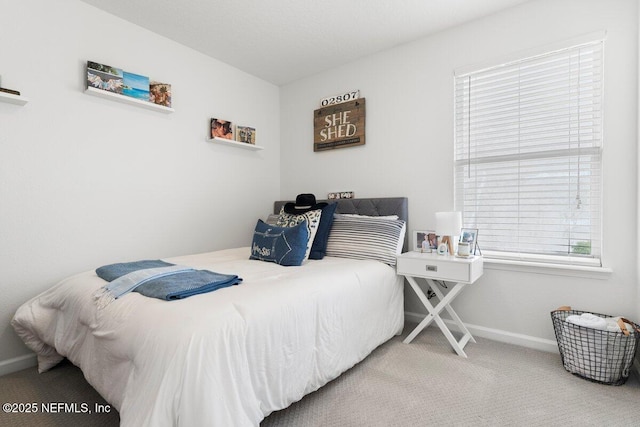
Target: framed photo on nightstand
470,235
424,241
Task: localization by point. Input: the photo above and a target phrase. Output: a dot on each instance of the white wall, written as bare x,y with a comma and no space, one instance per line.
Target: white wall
86,181
409,148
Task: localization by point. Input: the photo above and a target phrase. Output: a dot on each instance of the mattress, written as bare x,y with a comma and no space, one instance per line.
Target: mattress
229,357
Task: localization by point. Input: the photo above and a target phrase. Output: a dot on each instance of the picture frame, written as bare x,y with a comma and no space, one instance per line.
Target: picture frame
341,195
135,86
424,241
160,93
246,134
105,77
221,129
470,235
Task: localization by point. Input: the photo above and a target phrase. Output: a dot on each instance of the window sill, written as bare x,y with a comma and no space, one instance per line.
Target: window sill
587,272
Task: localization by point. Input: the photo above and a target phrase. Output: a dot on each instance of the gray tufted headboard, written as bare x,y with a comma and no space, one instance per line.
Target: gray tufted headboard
369,206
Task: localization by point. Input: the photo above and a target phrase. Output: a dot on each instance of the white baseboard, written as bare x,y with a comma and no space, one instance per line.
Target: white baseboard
17,364
497,334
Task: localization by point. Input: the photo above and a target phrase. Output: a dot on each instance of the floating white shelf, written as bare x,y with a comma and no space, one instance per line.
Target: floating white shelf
13,99
127,100
244,145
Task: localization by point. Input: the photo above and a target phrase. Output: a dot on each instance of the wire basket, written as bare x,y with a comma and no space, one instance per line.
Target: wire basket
599,356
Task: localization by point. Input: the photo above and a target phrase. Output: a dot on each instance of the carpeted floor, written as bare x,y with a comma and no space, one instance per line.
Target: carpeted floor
420,384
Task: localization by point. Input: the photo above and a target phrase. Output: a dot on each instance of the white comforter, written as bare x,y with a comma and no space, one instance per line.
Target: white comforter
225,358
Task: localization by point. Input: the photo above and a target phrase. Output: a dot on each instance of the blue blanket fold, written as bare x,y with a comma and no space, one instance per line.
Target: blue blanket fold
158,279
113,271
186,284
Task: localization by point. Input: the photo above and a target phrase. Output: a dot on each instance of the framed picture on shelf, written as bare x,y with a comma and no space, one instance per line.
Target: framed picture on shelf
246,134
135,86
221,129
105,77
470,235
160,93
424,241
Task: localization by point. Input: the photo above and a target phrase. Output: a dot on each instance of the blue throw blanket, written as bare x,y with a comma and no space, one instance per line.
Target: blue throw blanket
158,279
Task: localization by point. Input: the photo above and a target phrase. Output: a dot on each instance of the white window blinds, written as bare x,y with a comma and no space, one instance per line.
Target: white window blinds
528,141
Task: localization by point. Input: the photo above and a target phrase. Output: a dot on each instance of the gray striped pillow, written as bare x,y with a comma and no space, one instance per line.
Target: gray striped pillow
366,238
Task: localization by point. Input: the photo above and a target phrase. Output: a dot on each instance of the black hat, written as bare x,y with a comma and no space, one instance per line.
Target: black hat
304,203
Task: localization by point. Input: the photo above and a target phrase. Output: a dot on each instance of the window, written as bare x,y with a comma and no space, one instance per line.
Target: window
528,142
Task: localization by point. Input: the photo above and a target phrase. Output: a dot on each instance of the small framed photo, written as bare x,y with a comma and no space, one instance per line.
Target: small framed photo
425,241
160,93
221,129
246,134
470,235
341,195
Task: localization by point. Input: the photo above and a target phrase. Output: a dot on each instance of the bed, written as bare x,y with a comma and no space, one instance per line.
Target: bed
229,357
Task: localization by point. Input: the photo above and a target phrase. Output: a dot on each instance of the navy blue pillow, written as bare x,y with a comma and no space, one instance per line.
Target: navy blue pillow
319,247
282,245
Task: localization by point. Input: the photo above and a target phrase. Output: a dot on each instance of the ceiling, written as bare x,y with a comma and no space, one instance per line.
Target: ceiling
281,41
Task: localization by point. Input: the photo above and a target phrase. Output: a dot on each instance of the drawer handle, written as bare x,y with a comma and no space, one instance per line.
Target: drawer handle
432,268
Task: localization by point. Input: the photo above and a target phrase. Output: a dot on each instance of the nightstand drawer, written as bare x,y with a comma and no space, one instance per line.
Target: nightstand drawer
440,267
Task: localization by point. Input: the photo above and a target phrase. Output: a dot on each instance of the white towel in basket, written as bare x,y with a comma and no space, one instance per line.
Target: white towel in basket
588,320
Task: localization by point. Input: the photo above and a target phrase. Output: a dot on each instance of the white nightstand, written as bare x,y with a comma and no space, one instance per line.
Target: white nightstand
431,266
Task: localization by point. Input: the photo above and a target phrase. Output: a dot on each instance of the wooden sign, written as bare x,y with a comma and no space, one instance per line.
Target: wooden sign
339,126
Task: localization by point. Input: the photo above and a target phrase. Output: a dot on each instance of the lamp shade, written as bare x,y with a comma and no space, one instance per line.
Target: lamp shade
448,223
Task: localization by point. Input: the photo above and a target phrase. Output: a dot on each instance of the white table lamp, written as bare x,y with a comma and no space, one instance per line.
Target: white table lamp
448,224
